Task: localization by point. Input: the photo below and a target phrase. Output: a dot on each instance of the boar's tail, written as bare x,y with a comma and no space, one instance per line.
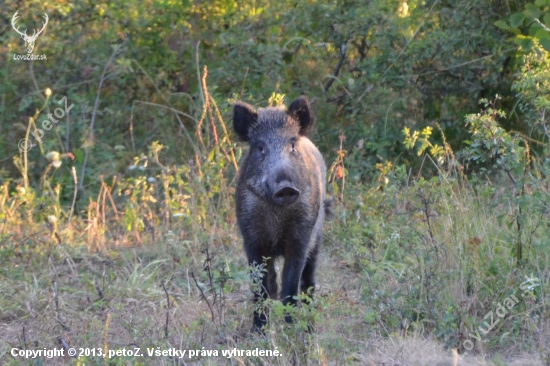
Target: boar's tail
327,205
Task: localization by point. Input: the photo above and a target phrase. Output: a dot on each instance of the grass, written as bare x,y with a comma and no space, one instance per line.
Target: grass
392,288
409,268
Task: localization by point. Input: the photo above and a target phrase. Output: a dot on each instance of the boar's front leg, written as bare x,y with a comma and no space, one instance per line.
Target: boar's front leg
295,262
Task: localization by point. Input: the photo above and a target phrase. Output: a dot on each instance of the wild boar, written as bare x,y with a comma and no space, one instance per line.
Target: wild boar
280,197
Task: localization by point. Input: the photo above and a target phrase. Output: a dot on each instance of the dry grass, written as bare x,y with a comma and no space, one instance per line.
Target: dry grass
126,290
161,265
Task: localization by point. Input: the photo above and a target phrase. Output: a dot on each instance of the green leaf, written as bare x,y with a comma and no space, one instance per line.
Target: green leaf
212,155
516,19
545,43
532,11
533,29
79,155
542,34
525,42
447,318
546,19
540,2
502,24
370,317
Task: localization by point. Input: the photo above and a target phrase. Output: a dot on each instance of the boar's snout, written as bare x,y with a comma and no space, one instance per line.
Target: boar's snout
285,194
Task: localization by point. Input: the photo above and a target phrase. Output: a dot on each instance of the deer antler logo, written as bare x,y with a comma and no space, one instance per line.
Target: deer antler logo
29,40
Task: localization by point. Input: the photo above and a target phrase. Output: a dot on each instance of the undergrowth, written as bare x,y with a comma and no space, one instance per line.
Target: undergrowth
154,259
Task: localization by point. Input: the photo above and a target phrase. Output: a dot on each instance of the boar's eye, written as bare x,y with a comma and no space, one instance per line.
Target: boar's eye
293,145
260,148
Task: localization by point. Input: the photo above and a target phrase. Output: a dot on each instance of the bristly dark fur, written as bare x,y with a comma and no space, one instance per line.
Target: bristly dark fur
328,205
280,198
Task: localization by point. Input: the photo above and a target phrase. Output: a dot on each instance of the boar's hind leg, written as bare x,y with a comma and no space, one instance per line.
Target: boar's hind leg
272,278
308,278
308,275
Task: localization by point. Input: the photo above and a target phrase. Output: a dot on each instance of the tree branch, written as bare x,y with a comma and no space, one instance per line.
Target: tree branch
96,106
338,67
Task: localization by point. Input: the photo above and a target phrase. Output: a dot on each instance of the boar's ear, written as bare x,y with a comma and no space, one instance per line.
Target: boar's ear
299,110
244,117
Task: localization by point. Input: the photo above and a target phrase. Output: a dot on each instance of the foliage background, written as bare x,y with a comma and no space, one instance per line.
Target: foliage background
146,160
